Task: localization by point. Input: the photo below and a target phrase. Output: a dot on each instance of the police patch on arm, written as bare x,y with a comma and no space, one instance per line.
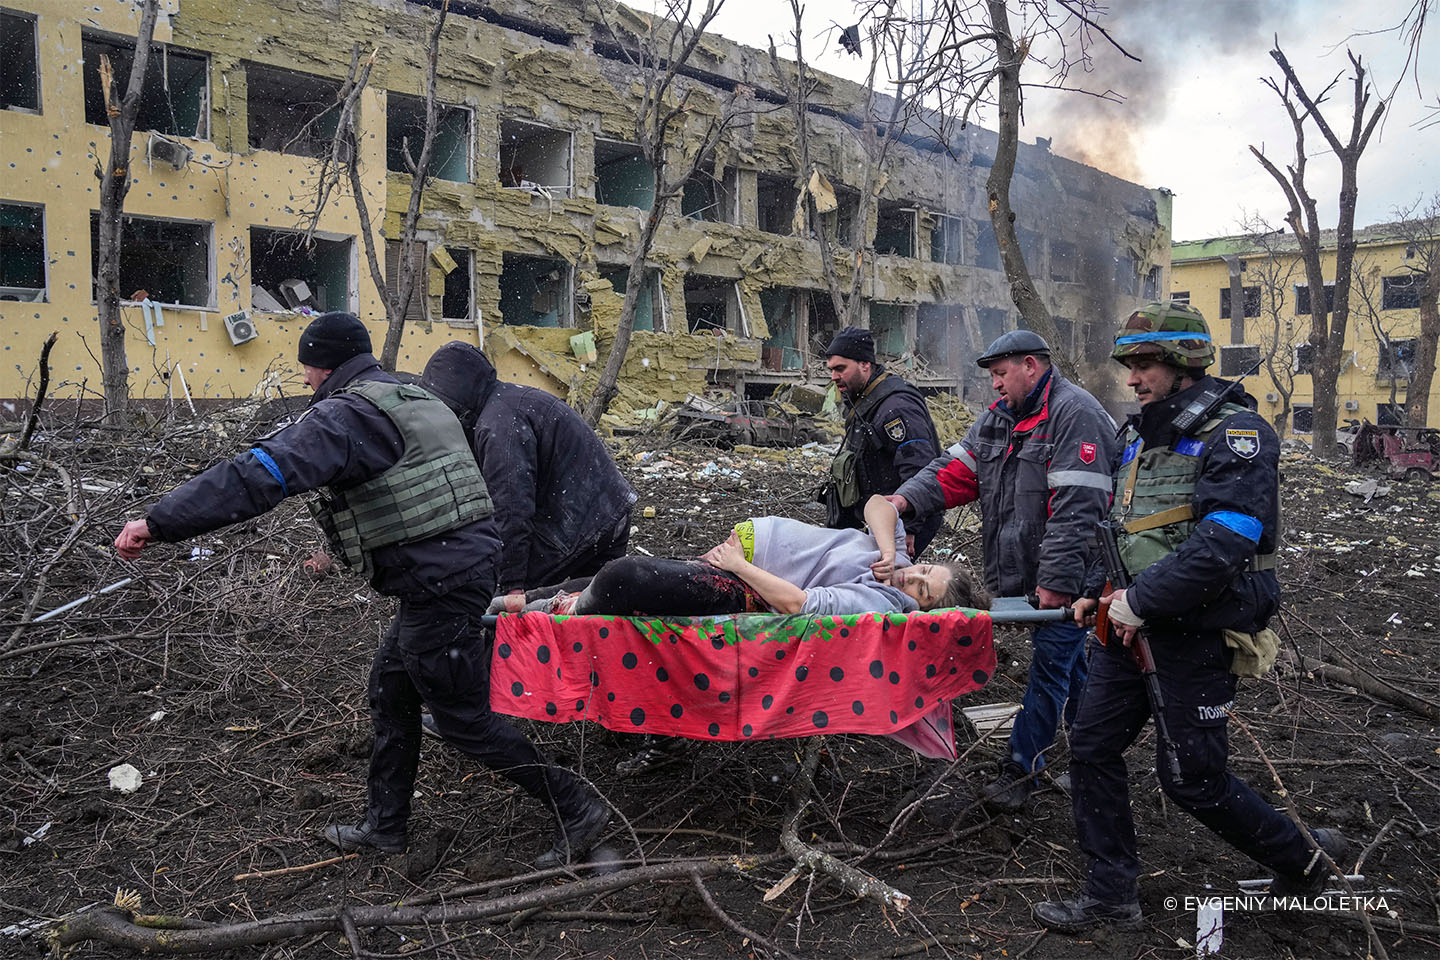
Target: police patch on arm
895,429
1245,443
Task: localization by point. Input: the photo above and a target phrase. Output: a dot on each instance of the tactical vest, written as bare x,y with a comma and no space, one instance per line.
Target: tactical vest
1154,492
435,486
845,468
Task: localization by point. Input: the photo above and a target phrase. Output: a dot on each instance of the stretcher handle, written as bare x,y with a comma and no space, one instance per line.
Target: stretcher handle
1002,610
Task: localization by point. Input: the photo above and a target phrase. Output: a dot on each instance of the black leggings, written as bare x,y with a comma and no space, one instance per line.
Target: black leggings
659,586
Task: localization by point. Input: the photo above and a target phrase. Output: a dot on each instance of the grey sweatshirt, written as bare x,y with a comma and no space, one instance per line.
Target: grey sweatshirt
831,566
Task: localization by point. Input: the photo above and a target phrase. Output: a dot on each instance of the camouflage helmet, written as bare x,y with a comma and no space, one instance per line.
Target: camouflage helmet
1173,333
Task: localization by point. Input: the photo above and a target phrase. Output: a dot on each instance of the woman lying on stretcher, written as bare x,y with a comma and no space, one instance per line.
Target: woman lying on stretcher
770,564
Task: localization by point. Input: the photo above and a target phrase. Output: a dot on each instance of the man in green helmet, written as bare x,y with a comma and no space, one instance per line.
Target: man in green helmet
1197,500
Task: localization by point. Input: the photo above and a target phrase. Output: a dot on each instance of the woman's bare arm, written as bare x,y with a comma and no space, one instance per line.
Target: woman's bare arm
881,517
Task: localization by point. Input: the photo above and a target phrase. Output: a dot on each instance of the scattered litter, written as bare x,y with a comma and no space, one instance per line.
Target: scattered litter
198,553
1369,489
125,778
157,716
992,719
38,835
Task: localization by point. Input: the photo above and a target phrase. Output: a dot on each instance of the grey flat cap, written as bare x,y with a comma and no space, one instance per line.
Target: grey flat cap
1015,342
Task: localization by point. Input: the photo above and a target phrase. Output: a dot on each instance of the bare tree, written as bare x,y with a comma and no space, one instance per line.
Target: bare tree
1368,293
1420,226
341,167
664,109
875,136
114,185
1327,329
1273,271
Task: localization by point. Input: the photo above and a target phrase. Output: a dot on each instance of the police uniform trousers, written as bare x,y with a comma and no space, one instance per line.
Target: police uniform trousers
1198,687
436,652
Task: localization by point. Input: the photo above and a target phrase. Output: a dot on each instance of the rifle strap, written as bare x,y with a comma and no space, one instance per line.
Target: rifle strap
1165,517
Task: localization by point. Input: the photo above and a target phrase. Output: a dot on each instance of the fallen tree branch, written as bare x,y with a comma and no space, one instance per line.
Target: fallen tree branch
807,858
1373,686
112,925
301,868
40,391
699,883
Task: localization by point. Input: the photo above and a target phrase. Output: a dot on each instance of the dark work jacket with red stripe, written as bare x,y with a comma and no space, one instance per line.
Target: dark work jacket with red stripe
1043,482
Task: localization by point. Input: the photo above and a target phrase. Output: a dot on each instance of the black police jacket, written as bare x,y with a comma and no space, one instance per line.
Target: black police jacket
893,441
1207,583
340,440
555,487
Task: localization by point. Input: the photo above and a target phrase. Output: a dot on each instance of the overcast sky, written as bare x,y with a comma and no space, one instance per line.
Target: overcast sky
1195,102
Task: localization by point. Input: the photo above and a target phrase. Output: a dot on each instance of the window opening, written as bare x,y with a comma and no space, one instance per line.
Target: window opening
895,230
290,112
1302,299
987,250
947,240
1401,293
711,303
1239,360
1252,302
781,350
174,97
166,260
450,151
645,303
458,300
1064,261
535,291
1302,418
22,252
532,156
775,199
1397,359
939,329
287,274
19,63
623,177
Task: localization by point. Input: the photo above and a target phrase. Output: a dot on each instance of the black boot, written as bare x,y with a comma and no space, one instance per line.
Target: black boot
575,835
1008,793
1317,874
1084,912
349,838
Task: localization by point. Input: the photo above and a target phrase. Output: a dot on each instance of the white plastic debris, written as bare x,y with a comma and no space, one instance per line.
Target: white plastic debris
125,778
197,553
157,716
1209,927
38,835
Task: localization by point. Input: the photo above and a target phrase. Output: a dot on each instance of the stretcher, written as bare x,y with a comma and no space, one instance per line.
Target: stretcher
751,676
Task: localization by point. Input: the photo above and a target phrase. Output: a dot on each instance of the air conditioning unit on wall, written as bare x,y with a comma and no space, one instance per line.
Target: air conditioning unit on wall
240,327
1272,397
1352,404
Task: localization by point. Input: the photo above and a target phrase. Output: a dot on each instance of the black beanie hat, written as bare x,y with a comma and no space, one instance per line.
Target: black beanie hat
853,342
331,339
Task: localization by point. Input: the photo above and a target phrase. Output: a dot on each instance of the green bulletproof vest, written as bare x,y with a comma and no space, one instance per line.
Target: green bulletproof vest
435,486
1154,491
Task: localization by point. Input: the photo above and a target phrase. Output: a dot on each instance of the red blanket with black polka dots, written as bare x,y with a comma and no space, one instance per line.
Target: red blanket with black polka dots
747,676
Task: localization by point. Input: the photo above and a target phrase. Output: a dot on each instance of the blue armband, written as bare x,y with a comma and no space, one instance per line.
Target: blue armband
268,462
1242,523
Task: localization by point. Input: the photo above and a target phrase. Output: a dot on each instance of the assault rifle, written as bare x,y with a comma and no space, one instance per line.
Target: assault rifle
1119,579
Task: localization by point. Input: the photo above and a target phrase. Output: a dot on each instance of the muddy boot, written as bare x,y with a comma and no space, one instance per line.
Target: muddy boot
350,838
1008,793
1084,912
575,835
1317,874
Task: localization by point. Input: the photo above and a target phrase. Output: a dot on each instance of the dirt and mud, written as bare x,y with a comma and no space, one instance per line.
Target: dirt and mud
234,684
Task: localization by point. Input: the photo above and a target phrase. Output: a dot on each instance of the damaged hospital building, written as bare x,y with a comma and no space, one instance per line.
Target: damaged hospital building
533,213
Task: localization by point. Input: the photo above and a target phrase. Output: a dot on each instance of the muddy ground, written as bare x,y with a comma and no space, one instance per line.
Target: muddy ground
235,685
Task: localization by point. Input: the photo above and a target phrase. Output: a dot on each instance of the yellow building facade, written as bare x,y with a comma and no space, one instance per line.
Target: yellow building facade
531,217
1268,349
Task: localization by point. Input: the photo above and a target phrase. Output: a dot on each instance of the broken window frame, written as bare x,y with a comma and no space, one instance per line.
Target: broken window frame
25,293
348,302
565,293
949,232
987,255
1150,284
782,186
1252,301
465,270
319,125
1395,358
1302,299
444,113
1238,365
129,283
627,151
565,189
1180,296
791,356
905,314
621,272
1389,414
1302,412
1303,364
1401,292
892,210
722,198
736,322
11,20
157,71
